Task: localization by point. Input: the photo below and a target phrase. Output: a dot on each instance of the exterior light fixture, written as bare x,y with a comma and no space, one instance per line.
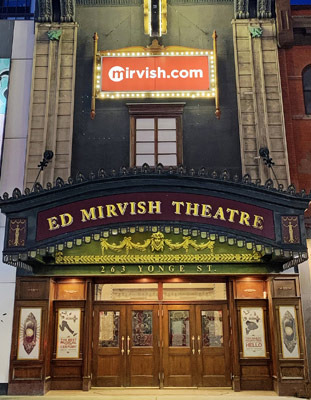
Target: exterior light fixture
155,17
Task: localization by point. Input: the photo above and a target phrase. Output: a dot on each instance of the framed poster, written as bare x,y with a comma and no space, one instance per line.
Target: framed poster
289,332
68,333
29,333
253,332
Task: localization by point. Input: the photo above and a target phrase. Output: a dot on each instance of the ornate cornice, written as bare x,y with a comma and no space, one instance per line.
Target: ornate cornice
203,174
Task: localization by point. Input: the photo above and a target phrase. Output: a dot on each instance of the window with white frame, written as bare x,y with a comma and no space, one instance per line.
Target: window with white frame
156,134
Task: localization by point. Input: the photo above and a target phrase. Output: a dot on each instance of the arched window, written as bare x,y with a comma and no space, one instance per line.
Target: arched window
306,82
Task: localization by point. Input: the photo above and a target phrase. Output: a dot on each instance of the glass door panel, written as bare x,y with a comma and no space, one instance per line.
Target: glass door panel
142,345
108,345
213,353
178,345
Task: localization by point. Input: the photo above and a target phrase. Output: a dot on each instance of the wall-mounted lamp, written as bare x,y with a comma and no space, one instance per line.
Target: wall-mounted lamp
265,155
47,157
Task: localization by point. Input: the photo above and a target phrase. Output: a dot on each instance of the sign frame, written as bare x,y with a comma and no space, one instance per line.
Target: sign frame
155,50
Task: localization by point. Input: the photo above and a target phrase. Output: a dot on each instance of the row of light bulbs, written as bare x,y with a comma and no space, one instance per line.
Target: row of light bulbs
112,95
165,53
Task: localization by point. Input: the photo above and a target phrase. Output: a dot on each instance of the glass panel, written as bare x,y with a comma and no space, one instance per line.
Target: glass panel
166,123
142,328
167,136
212,328
144,136
126,291
145,123
109,326
167,147
194,291
142,159
179,329
145,148
167,159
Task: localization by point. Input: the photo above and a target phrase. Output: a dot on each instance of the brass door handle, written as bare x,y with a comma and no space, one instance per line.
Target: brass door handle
122,345
199,344
193,345
128,345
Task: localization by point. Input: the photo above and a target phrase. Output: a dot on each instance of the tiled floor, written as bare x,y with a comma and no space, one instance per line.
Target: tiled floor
153,394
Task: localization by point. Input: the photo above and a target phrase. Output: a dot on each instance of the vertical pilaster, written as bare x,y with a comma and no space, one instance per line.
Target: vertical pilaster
261,119
52,101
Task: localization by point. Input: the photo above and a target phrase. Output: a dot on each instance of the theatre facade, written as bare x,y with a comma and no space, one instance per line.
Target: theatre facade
156,279
136,265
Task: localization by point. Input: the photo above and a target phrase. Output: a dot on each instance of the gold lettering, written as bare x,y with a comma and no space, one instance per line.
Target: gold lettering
111,211
133,207
232,214
156,207
220,214
161,268
141,205
181,268
199,268
122,207
244,219
206,210
177,205
171,268
258,222
103,269
66,219
123,269
87,215
194,208
150,268
140,268
100,212
53,223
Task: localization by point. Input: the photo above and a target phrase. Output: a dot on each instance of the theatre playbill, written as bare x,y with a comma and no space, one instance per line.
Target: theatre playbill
68,333
253,332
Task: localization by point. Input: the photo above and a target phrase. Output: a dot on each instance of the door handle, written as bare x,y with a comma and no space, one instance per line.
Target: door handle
193,345
128,345
199,344
122,345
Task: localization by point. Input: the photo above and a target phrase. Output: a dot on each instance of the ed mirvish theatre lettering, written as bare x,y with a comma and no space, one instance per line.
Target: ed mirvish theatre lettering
127,208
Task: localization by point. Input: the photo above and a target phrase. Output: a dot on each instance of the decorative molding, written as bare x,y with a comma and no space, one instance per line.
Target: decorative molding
241,9
157,242
159,258
67,10
44,11
160,172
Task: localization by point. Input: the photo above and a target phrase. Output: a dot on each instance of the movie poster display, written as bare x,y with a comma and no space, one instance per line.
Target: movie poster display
253,332
29,333
68,333
289,332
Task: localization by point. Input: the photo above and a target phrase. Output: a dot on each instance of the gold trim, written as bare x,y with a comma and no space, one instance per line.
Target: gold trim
156,243
217,112
95,38
158,258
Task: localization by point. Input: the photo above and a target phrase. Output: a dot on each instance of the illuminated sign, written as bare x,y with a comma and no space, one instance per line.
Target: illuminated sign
155,71
167,74
4,84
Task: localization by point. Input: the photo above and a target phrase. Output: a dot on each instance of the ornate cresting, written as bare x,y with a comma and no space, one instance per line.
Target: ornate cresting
45,11
242,9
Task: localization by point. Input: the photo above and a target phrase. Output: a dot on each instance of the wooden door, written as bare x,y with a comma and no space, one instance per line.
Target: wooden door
212,345
109,353
142,345
179,361
126,345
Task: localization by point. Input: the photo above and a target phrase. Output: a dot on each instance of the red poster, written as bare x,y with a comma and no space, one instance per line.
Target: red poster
155,73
